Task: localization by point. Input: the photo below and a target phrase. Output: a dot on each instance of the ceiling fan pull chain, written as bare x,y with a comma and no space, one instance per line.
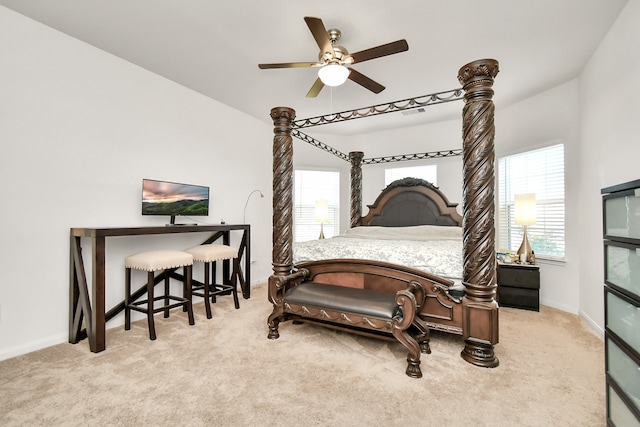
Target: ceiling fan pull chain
331,99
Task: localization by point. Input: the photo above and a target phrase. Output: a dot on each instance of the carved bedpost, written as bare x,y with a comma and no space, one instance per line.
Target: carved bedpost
356,187
282,190
480,310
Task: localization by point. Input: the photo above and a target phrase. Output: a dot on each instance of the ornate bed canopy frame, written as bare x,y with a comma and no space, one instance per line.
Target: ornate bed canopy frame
480,310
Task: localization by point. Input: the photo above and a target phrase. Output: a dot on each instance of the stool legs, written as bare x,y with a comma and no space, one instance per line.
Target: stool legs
234,281
150,300
186,301
186,288
207,284
127,299
167,290
210,290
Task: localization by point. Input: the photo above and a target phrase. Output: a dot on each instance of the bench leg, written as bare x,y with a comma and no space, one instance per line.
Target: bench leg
413,357
273,322
413,368
422,335
273,329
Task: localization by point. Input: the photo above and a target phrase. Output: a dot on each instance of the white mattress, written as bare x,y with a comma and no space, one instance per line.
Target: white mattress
434,249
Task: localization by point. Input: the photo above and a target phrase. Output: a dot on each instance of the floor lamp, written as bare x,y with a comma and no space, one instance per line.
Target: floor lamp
322,215
244,212
525,211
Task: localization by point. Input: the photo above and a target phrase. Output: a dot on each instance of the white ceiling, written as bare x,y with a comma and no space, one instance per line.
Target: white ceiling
214,46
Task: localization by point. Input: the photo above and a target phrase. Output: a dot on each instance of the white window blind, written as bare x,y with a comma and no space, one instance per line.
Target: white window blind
540,172
428,173
311,188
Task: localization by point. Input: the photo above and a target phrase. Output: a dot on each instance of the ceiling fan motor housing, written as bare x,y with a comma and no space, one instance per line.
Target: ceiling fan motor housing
339,56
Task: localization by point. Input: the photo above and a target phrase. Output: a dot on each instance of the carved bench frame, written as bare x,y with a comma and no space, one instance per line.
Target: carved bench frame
408,290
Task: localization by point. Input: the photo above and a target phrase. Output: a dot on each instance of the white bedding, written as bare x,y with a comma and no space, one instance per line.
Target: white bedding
434,249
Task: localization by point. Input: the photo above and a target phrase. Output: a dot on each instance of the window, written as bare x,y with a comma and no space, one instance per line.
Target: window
428,173
540,172
313,189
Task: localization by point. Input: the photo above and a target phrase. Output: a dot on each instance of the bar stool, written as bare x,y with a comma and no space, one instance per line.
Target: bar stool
209,254
152,261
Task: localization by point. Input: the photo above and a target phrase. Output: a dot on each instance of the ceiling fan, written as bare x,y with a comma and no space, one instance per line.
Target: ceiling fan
334,61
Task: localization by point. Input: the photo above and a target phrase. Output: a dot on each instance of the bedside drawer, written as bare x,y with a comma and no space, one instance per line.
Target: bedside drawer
528,299
519,277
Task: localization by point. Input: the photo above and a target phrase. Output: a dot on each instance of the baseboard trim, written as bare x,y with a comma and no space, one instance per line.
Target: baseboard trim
592,325
31,346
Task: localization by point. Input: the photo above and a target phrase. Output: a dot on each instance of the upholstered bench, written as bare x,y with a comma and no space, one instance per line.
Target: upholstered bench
364,311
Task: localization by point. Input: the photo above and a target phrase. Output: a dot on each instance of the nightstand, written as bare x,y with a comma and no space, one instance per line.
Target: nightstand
519,286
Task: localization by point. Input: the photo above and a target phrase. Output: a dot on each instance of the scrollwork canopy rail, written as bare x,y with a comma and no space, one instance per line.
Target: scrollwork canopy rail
375,160
375,110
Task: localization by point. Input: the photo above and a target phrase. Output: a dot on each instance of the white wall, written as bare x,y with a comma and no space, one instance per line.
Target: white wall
79,130
550,118
609,145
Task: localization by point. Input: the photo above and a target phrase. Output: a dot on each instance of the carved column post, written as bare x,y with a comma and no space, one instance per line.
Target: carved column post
480,310
282,190
356,187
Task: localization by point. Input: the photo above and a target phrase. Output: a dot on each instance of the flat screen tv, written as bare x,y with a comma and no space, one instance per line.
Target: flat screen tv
174,199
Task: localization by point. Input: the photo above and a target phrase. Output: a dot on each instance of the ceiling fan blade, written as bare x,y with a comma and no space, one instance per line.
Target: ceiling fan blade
320,34
379,51
315,89
290,65
365,81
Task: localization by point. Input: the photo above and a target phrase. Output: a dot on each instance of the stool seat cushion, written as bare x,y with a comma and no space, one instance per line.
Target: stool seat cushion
210,253
158,260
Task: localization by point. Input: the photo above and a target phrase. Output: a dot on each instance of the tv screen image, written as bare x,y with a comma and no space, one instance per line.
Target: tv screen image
173,199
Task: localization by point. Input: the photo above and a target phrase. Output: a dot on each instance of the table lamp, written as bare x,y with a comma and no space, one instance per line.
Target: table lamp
322,215
525,210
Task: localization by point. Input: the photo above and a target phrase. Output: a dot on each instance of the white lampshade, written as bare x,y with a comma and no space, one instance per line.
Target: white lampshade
322,211
333,74
525,209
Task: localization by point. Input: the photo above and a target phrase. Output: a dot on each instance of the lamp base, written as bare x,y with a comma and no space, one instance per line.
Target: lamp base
321,232
525,248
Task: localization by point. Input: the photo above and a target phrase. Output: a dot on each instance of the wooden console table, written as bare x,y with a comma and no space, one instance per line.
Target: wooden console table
92,310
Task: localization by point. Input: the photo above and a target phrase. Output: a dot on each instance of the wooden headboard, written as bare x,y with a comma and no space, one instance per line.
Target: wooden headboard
412,201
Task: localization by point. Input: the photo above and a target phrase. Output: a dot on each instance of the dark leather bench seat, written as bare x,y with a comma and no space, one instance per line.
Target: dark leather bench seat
364,302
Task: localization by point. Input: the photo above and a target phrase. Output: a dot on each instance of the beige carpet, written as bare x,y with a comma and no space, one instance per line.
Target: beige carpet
225,372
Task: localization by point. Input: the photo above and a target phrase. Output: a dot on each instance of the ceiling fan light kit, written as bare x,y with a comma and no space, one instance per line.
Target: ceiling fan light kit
335,61
333,74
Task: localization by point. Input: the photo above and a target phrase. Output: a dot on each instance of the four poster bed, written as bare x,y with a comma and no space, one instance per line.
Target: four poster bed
411,223
398,298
